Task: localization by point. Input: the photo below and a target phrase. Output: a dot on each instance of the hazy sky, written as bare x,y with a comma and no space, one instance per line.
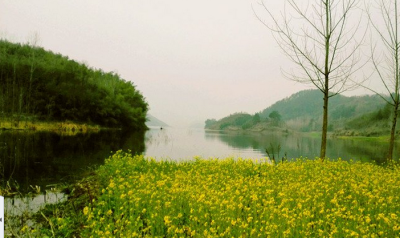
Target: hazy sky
192,60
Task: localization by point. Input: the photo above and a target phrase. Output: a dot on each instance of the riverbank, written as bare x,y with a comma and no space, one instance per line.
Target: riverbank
258,128
65,127
133,196
60,217
385,138
382,136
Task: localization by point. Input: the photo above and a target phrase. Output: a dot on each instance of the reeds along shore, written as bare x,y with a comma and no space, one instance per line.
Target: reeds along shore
66,127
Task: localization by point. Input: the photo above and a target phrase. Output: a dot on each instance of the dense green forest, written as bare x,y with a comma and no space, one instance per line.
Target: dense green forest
357,115
237,120
39,84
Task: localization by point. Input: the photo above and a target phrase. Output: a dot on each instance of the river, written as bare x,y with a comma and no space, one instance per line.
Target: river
46,159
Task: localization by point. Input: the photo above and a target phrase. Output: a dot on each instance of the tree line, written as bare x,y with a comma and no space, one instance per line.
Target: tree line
243,121
39,84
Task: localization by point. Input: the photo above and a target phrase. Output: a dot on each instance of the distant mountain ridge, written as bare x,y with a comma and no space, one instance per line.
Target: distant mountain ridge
302,111
308,104
152,121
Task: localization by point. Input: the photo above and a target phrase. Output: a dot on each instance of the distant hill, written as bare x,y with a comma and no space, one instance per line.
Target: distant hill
152,121
302,111
308,104
237,120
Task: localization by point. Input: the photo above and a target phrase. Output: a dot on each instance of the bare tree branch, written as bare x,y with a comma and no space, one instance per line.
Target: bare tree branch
388,69
317,38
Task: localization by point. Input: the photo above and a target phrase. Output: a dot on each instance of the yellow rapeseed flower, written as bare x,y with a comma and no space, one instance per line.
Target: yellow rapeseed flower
229,197
85,211
167,220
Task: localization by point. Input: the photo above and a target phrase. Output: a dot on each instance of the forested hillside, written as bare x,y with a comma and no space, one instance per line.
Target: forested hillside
39,84
308,103
302,111
237,120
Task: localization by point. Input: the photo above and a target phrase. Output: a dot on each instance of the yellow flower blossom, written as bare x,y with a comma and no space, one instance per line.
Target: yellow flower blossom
239,197
85,211
167,220
109,212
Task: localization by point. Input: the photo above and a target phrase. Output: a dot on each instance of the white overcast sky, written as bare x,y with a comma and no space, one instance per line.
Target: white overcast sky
191,59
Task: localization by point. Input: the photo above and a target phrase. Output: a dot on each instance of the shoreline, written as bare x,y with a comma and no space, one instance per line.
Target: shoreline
332,134
68,127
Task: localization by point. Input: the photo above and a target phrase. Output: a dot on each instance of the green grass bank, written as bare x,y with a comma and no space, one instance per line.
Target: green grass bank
63,127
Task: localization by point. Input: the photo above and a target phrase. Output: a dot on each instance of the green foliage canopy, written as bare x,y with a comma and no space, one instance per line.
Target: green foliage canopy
50,86
308,103
274,115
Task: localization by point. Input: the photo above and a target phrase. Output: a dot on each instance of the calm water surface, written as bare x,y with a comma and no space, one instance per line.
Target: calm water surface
45,159
182,144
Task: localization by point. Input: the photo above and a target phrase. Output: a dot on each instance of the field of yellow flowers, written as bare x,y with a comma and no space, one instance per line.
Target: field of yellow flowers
244,198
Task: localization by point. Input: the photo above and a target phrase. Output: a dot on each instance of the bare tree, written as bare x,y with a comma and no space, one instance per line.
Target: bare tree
323,40
33,42
386,64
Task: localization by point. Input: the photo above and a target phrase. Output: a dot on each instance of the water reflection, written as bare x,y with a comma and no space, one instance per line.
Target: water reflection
186,143
42,158
296,145
18,206
183,144
47,158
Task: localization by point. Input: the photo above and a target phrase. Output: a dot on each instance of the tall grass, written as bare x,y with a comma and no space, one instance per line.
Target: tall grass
243,198
67,127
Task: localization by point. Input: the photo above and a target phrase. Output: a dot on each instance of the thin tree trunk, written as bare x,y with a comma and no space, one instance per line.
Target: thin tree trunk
396,93
396,96
2,97
392,133
32,69
326,74
13,96
21,95
324,127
